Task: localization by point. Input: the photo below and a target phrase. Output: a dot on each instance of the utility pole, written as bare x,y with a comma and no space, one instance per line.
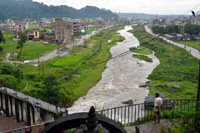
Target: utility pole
198,90
39,63
43,66
58,49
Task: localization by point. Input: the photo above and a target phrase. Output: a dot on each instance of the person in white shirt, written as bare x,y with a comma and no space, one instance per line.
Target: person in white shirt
157,107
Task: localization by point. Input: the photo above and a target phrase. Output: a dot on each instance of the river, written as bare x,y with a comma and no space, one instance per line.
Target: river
120,80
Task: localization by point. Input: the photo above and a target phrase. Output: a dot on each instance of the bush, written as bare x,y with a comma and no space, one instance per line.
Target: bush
1,48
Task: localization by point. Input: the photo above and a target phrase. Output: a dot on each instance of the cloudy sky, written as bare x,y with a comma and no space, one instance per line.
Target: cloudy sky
135,6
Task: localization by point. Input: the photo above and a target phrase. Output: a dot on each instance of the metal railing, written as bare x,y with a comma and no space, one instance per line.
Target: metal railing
133,113
144,111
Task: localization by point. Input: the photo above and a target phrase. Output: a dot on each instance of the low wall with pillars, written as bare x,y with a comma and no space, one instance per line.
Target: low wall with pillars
26,108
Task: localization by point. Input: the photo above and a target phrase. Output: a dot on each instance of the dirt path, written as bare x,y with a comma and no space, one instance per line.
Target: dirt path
120,80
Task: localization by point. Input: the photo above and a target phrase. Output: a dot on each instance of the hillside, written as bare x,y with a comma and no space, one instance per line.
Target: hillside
20,9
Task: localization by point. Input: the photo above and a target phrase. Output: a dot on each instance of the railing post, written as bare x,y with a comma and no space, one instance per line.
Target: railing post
128,114
135,114
125,115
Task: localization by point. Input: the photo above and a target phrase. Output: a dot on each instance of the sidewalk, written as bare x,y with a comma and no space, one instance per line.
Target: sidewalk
149,127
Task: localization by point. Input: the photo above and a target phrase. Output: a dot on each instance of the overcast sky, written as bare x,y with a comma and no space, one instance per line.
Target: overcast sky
133,6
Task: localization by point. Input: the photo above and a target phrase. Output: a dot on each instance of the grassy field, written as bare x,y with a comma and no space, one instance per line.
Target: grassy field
141,50
29,51
177,67
142,57
90,30
83,72
194,44
31,26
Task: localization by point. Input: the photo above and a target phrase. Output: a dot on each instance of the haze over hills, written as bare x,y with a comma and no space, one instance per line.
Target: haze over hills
20,9
143,15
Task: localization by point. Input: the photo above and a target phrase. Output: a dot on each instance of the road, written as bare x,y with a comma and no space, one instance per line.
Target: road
191,50
120,80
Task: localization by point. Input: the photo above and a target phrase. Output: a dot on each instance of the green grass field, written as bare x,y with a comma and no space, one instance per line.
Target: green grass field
177,67
31,26
194,44
141,50
90,30
142,57
29,51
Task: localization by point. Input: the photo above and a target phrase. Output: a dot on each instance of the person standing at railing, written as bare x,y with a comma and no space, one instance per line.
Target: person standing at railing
157,107
56,103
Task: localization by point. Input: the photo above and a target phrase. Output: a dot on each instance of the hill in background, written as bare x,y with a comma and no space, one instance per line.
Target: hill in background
21,9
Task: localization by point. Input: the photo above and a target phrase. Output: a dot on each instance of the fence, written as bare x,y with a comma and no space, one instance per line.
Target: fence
133,113
144,111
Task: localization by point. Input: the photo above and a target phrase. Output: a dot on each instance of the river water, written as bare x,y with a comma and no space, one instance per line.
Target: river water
120,80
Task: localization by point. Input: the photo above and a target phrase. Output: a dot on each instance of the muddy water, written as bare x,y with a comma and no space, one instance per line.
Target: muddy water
120,80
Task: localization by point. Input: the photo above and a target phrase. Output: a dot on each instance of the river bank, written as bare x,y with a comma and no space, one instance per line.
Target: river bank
120,80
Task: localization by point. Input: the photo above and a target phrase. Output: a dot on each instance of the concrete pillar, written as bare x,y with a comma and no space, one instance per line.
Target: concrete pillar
13,101
17,110
7,105
3,101
24,112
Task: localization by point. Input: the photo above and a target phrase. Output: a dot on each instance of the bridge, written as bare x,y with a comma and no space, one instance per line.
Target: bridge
28,109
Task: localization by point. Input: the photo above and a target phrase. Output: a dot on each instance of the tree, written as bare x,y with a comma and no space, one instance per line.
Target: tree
51,89
2,39
20,43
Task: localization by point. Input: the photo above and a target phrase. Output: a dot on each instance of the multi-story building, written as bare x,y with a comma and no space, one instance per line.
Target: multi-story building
63,31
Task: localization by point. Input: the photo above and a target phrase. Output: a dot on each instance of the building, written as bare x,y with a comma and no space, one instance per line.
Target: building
33,35
63,30
106,22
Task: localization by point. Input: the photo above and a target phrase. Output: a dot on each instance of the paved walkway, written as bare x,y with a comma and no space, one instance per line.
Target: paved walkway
149,127
194,52
8,123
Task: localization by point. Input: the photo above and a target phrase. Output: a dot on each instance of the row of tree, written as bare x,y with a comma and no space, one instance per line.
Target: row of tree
2,39
20,43
166,30
191,29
